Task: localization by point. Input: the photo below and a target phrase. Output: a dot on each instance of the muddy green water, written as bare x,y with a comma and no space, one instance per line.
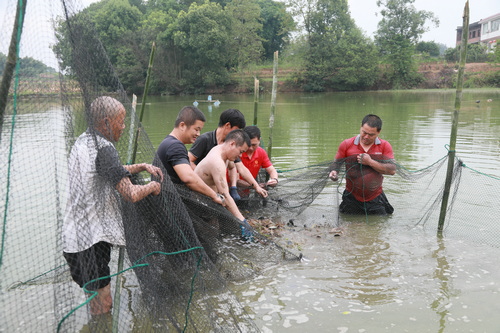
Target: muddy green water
382,276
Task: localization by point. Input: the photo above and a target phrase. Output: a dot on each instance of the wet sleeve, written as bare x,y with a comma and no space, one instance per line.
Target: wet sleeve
109,167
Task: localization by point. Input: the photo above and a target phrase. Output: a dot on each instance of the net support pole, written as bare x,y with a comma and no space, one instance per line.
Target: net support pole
11,62
273,104
454,127
144,95
121,253
255,99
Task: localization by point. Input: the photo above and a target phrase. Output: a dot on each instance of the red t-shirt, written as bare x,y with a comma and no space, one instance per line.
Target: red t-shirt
361,180
259,160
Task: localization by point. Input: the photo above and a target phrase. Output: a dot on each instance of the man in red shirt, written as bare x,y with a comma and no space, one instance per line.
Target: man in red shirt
255,158
366,158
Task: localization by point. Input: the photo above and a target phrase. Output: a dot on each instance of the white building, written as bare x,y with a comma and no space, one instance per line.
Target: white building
490,31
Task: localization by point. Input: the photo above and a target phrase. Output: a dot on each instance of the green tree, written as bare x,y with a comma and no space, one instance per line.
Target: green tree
109,24
430,48
277,25
335,47
246,29
357,68
203,36
28,66
475,53
158,26
400,28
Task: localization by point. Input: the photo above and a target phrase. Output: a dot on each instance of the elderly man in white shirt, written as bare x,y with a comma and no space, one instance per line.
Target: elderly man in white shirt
97,180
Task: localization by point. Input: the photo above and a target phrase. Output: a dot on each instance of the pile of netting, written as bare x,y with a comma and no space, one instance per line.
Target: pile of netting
181,250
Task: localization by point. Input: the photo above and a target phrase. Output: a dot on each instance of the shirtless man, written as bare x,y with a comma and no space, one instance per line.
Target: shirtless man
212,169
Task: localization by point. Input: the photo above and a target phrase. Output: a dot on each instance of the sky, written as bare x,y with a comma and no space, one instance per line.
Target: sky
364,13
449,13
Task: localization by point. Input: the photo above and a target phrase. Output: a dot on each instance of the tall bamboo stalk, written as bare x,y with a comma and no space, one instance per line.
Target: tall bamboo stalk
273,104
144,95
255,99
11,62
454,127
121,253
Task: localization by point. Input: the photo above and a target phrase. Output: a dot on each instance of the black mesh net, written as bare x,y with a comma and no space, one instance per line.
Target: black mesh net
179,252
173,253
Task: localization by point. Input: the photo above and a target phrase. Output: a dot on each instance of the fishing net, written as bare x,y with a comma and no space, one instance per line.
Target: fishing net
182,252
306,198
178,250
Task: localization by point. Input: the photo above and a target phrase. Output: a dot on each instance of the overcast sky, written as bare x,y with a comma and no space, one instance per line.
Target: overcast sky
449,13
364,12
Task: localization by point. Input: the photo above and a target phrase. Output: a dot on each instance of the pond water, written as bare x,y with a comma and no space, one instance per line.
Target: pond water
386,275
383,274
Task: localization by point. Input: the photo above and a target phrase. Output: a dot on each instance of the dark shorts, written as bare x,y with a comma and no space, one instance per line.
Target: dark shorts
378,206
90,264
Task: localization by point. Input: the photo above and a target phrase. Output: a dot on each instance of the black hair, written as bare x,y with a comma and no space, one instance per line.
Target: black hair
372,121
239,137
252,131
189,115
233,117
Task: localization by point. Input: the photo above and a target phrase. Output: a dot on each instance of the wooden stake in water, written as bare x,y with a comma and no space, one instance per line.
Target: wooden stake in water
273,104
255,100
454,127
121,253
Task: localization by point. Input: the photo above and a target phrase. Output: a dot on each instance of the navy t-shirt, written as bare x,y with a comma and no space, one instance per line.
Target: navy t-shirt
203,144
171,153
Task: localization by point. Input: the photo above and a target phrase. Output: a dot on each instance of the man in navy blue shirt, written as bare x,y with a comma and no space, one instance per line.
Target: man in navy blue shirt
173,154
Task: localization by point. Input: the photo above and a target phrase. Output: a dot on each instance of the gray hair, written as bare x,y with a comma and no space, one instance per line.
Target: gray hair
103,107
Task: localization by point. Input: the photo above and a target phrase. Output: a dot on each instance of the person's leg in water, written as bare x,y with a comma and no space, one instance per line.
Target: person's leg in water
102,302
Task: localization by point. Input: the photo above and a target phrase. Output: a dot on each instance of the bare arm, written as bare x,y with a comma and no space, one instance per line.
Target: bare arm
192,159
136,168
273,176
134,193
218,175
195,183
246,175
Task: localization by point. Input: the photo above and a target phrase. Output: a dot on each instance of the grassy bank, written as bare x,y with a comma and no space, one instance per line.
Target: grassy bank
436,75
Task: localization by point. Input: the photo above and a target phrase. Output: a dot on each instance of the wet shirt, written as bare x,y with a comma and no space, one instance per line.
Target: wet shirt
93,210
361,180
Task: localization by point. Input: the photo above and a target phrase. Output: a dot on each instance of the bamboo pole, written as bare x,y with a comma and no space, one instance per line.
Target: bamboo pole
255,99
146,88
12,57
454,127
273,104
121,253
